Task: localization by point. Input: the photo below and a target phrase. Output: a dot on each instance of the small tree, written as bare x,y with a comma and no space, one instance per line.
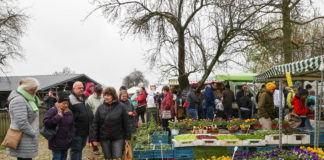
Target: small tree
134,79
65,71
12,23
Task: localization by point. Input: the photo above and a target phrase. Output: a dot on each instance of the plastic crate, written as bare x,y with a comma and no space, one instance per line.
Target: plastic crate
238,148
143,154
298,139
184,153
162,136
231,142
254,142
268,148
274,139
321,136
164,153
210,142
186,143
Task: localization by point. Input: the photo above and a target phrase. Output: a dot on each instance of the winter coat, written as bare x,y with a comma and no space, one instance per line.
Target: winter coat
82,115
299,105
110,122
266,106
65,132
87,91
276,99
192,99
150,100
49,101
244,101
209,96
167,104
21,115
229,98
133,100
131,119
141,99
94,102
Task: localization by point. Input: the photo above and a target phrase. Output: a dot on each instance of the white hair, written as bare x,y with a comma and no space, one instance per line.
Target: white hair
28,83
76,83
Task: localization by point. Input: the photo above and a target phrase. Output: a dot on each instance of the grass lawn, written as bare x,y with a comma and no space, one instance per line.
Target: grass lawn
207,152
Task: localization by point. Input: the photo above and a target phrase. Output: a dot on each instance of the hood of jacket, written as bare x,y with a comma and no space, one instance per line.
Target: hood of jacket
87,91
13,94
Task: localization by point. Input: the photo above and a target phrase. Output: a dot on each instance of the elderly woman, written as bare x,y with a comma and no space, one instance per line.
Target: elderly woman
24,115
60,118
110,125
123,96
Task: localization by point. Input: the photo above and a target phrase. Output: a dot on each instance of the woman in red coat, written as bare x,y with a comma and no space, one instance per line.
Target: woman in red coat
141,102
167,105
299,102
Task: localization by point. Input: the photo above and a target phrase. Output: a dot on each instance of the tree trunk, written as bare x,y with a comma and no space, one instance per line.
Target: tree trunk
286,29
183,77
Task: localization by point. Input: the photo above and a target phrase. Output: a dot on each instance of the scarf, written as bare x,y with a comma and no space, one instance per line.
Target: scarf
32,100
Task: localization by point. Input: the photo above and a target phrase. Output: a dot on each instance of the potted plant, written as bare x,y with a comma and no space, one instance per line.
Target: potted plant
175,127
212,129
275,124
196,129
255,123
244,127
233,125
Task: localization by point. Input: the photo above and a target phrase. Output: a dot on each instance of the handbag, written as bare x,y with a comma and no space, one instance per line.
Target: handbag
128,153
13,138
48,133
140,109
166,114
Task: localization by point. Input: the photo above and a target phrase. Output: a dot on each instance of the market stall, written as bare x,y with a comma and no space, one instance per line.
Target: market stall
305,70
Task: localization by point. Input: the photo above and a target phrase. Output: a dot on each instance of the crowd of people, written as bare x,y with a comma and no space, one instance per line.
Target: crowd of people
102,117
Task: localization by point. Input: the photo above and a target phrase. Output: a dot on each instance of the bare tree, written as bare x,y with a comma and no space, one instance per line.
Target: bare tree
166,22
65,71
12,23
134,79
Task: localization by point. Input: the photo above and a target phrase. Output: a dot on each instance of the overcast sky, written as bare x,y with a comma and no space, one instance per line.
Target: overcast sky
56,37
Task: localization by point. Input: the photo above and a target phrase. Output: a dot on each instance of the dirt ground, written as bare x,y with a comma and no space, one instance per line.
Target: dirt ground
45,154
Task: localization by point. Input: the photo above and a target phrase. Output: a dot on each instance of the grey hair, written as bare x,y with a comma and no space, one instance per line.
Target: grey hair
76,82
29,83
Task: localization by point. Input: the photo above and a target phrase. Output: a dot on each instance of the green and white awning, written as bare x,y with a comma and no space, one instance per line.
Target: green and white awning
308,69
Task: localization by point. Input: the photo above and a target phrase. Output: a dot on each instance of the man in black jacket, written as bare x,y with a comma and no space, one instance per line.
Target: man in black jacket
83,116
244,102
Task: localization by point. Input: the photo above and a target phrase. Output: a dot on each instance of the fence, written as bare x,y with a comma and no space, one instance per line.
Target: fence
5,122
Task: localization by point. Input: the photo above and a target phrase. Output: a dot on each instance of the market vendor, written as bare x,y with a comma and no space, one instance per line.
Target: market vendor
299,102
266,107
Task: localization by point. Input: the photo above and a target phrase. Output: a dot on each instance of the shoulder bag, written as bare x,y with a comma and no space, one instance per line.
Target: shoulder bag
13,138
166,114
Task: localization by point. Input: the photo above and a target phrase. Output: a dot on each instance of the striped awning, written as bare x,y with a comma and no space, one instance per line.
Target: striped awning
301,70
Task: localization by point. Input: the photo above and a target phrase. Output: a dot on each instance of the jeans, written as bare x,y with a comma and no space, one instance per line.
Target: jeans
228,112
193,113
78,144
59,154
153,112
142,117
112,148
165,125
24,158
210,112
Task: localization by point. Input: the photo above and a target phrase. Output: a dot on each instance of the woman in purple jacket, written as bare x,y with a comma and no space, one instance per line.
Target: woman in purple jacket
60,118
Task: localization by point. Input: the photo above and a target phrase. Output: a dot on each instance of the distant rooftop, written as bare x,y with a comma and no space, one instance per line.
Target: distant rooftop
46,81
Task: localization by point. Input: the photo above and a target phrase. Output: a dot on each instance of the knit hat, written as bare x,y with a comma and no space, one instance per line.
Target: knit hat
123,88
98,89
271,86
63,96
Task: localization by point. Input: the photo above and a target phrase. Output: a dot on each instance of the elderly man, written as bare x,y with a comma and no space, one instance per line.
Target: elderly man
83,116
24,115
210,100
266,107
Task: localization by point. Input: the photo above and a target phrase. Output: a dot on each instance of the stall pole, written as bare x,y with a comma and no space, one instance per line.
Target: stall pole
280,114
316,134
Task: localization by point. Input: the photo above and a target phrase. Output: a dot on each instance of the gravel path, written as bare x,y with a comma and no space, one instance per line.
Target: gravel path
45,154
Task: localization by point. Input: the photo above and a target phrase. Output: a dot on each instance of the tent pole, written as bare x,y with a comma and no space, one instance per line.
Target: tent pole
280,114
316,134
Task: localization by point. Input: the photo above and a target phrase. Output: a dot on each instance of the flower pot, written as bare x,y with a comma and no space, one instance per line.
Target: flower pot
174,132
244,130
232,131
197,131
205,131
200,131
